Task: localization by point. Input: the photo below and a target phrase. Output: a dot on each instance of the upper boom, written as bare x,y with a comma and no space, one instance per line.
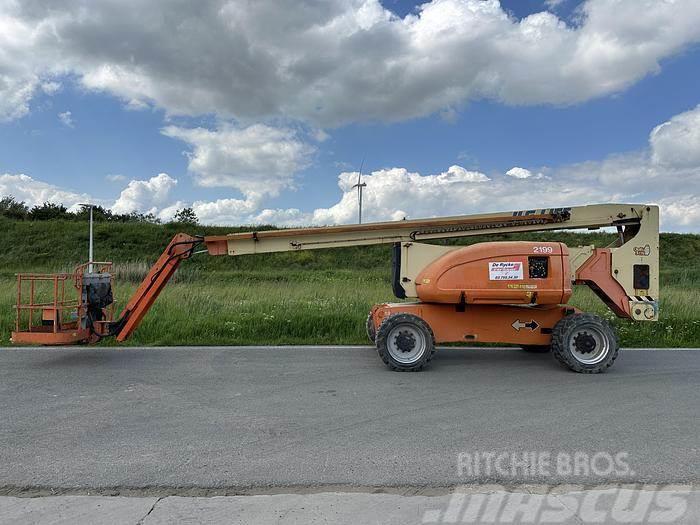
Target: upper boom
577,217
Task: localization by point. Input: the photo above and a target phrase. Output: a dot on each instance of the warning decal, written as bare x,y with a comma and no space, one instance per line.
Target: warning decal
505,271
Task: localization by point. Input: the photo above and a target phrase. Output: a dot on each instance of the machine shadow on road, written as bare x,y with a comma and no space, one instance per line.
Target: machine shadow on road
445,357
82,358
494,358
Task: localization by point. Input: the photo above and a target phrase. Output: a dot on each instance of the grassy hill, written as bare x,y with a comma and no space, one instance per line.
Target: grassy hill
308,297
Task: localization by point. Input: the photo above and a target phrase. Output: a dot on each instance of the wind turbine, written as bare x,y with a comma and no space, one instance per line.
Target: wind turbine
360,186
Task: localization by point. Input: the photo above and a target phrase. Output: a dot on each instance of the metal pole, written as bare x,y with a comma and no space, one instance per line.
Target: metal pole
360,211
360,187
90,254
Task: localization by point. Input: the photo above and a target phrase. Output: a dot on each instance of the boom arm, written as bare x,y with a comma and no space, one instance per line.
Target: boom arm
180,248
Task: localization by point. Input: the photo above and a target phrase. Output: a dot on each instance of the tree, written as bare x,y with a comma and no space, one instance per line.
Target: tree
12,208
186,216
99,213
49,211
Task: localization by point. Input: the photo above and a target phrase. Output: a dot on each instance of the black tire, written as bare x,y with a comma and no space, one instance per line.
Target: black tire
371,330
536,349
405,343
585,343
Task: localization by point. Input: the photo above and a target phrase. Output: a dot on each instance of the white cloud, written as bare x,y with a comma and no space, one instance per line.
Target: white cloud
115,178
145,196
334,61
395,193
257,160
51,87
519,173
553,4
522,173
21,63
681,213
35,192
66,119
228,211
676,143
15,94
459,174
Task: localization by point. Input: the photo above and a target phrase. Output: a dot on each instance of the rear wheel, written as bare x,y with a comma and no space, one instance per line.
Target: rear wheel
405,342
585,343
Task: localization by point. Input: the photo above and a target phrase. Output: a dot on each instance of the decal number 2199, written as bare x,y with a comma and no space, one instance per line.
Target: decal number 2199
543,249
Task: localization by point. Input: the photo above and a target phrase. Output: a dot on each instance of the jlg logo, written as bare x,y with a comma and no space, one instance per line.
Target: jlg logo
642,251
542,211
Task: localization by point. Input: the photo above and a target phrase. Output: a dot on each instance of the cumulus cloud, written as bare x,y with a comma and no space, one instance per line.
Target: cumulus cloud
459,174
257,160
332,62
676,143
229,211
145,196
20,68
519,173
390,191
522,173
392,194
681,212
15,94
35,192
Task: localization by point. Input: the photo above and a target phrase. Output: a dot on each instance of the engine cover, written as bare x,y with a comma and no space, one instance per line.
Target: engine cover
519,272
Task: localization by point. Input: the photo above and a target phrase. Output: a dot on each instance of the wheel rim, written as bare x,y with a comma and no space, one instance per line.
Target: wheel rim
406,343
589,345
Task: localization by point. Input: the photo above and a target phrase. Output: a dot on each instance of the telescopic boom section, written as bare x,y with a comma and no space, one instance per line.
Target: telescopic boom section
180,248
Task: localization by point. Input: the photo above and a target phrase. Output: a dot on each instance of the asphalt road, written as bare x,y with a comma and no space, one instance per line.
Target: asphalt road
99,418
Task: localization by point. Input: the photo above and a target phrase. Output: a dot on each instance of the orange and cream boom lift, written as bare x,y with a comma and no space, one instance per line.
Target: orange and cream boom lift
491,292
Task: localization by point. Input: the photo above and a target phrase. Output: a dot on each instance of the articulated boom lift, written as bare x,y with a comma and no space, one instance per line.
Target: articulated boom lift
492,292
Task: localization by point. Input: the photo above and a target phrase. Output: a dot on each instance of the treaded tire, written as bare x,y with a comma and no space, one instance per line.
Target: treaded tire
568,328
385,332
536,349
371,330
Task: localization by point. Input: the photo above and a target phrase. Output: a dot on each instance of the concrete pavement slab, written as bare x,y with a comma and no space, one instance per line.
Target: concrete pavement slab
74,510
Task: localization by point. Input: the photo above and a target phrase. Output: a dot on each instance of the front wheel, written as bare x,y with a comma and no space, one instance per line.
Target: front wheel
585,343
405,342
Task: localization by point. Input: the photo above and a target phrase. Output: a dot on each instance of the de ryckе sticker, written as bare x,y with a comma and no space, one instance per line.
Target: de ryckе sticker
506,271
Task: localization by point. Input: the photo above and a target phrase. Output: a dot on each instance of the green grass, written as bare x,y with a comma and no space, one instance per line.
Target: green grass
319,297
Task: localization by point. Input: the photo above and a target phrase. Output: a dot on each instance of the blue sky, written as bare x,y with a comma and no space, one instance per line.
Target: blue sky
113,135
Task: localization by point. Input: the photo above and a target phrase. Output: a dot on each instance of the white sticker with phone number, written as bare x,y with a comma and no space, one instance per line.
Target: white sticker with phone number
505,271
